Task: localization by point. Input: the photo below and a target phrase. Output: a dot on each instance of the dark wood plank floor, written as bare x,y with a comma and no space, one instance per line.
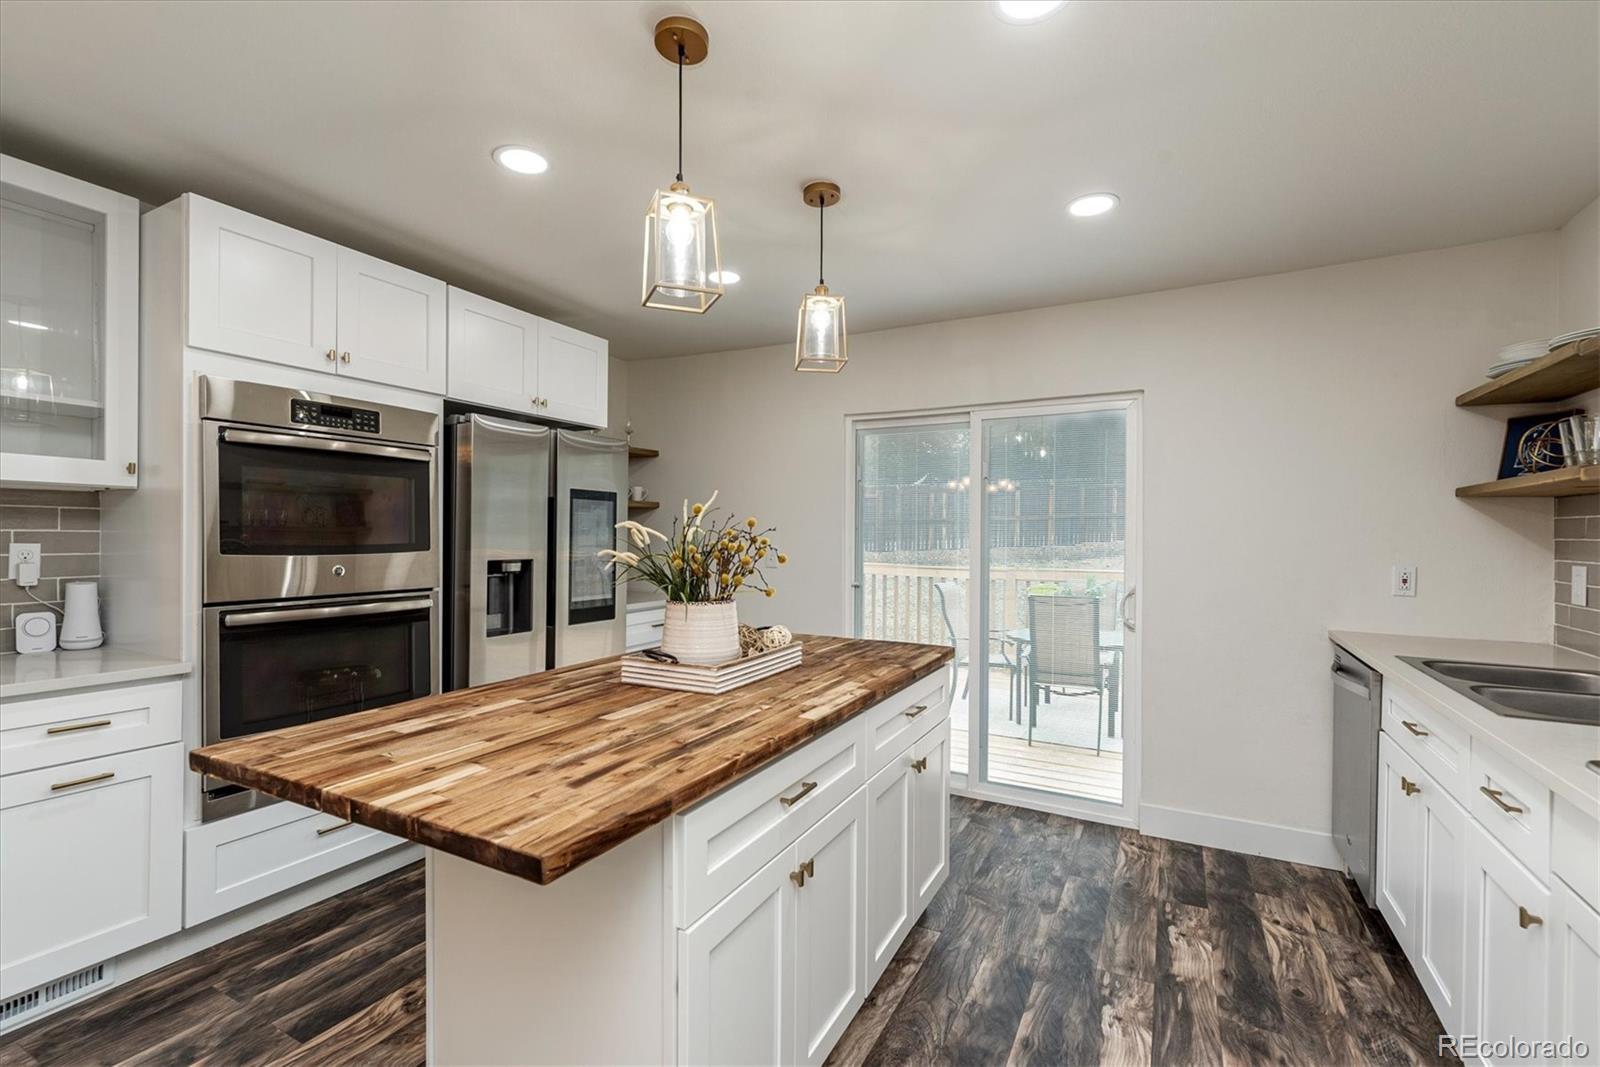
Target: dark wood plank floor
1054,942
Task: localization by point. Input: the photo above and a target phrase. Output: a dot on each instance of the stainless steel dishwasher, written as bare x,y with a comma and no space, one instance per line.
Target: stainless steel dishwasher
1357,705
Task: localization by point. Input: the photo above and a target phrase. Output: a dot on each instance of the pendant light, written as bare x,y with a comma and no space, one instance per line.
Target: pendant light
682,270
819,342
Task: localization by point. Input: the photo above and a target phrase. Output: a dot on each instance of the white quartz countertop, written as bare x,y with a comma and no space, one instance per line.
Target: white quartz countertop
1554,752
58,672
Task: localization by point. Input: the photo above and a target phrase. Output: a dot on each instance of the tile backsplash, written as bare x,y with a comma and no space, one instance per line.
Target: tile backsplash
1578,541
66,527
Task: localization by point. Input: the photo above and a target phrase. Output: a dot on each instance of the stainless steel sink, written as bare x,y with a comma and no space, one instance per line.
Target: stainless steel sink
1543,703
1550,678
1546,694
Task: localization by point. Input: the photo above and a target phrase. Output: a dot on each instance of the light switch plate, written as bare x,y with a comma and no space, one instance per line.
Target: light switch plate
1580,585
1404,580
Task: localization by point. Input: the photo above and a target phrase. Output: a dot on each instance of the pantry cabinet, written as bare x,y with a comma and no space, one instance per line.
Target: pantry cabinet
69,340
504,357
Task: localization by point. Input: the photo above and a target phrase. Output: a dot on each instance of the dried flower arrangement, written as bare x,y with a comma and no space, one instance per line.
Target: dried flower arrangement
705,560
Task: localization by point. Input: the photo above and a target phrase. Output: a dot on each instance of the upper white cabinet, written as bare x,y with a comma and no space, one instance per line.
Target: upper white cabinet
391,323
494,353
69,331
573,372
507,358
263,290
259,289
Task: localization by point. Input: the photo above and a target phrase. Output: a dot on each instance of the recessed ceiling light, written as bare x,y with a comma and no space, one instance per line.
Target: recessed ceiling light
1093,204
521,159
1026,10
724,277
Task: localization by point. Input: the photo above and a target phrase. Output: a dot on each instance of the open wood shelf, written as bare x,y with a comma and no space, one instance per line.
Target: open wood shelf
643,505
1568,481
1571,369
642,453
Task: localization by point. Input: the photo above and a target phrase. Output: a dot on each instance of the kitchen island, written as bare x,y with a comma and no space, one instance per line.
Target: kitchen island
623,874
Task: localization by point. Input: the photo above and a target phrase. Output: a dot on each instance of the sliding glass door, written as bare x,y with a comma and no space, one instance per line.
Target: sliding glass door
1010,533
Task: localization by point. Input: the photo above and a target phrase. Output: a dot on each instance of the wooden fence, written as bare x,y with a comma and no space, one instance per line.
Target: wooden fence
899,602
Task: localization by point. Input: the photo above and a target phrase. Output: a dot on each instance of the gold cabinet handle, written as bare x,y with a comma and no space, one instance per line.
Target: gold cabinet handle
332,355
104,776
1496,795
808,869
335,828
1416,730
75,727
1526,918
344,357
1408,787
914,712
920,765
805,787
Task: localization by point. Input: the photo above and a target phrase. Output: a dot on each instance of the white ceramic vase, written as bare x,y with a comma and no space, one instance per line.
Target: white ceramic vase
701,633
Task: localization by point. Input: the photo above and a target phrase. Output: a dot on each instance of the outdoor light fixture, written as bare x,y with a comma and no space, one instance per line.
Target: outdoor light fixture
819,342
681,267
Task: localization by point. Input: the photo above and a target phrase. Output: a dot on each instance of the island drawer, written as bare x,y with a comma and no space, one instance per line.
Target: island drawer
1424,734
1513,808
46,731
726,838
250,856
895,724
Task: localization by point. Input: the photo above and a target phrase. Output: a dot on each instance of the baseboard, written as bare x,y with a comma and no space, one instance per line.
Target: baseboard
1240,835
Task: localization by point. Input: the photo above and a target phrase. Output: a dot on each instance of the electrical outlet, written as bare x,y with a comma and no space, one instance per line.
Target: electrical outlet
21,553
1404,580
1580,586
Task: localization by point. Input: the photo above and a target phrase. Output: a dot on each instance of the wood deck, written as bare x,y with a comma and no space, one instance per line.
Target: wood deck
1061,769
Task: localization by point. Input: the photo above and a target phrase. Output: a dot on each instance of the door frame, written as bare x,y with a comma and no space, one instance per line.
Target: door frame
972,784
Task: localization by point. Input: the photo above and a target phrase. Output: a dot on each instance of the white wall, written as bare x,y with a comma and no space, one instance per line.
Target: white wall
1579,306
1300,437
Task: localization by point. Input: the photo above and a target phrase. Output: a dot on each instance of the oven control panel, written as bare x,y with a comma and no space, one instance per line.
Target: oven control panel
333,416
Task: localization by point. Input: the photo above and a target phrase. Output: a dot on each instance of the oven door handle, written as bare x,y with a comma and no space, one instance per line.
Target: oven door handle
336,611
323,444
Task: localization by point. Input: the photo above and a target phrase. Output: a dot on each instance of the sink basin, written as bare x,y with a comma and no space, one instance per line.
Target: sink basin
1549,678
1552,706
1546,694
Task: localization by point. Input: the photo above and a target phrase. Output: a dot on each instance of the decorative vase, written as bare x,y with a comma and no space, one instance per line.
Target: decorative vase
704,633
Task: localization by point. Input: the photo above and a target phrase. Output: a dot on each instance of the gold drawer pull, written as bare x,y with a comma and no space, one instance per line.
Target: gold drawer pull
1408,787
805,787
334,829
1416,730
1495,795
914,712
808,869
920,765
74,727
103,776
1526,918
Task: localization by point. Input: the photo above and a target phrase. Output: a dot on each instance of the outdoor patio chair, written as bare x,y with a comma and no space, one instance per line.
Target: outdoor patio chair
1064,654
953,608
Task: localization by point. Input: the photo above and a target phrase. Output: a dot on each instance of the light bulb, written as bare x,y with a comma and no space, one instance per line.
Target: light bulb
1026,10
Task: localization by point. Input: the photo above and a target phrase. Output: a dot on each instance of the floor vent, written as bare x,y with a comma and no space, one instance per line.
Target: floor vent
25,1006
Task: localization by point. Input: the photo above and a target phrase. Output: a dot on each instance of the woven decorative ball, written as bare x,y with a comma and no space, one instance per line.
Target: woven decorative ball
749,639
775,637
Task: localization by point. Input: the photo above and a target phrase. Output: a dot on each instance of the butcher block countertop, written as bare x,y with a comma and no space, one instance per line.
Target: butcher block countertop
536,775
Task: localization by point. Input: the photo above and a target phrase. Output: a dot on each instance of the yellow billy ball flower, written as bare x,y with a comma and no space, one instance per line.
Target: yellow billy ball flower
697,509
751,522
782,558
768,591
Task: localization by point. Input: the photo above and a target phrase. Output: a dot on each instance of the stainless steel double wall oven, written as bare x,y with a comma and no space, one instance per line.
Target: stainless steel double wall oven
321,567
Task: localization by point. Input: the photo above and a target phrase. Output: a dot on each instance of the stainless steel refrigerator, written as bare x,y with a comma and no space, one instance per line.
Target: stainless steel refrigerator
528,509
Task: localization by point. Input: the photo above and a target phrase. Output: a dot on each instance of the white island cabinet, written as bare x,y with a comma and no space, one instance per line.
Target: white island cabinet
746,929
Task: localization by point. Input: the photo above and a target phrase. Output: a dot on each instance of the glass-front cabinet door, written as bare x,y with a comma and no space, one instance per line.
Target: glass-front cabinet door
69,331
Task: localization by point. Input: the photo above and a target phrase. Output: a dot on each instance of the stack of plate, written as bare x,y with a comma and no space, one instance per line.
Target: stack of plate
1518,355
1575,335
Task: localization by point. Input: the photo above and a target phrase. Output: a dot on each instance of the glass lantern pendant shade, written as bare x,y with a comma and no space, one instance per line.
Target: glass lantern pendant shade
681,260
820,339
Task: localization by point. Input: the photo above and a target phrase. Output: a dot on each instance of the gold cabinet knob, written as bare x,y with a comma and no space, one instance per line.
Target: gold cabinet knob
1526,918
332,355
344,357
920,765
1408,787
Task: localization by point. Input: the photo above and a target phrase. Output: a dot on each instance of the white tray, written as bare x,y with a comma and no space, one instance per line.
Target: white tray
716,678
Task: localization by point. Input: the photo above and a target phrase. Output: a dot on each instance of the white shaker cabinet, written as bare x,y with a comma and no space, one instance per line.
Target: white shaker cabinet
1574,971
830,942
889,914
69,337
1399,866
930,816
93,861
573,373
494,353
1507,946
391,324
736,973
261,289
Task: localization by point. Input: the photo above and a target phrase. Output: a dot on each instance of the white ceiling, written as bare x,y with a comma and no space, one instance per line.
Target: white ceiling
1244,138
